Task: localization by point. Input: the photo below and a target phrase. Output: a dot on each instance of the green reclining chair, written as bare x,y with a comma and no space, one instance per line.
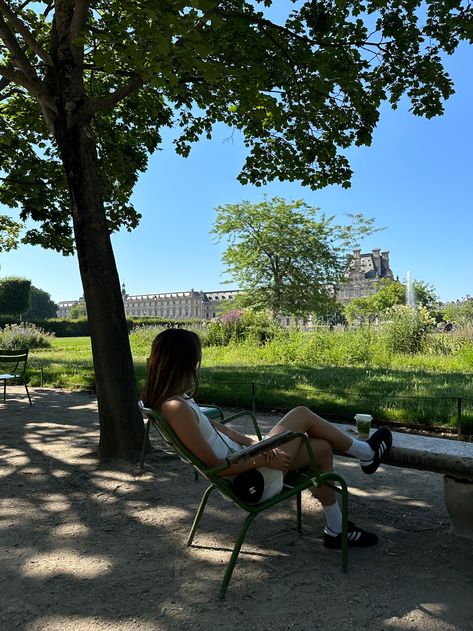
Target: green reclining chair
298,481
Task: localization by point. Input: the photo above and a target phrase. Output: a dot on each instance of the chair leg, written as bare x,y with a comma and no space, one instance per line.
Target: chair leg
199,513
27,391
344,492
236,551
299,512
145,440
4,390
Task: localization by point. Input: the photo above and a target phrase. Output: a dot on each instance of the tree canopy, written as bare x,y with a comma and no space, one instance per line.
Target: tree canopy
41,305
302,91
388,294
286,256
14,295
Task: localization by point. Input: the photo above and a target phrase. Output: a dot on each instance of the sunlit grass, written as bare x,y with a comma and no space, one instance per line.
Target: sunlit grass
418,389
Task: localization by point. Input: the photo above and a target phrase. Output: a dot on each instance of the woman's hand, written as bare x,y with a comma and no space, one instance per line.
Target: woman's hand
276,459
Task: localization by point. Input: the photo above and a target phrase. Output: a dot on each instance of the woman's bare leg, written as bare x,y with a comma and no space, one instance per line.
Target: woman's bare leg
301,419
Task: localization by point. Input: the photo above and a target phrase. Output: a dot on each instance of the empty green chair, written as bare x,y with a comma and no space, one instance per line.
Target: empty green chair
13,368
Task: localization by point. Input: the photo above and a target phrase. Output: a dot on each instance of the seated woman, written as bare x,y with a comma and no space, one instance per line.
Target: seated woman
171,382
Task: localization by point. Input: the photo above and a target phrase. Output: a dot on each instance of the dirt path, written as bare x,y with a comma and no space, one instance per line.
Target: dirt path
86,547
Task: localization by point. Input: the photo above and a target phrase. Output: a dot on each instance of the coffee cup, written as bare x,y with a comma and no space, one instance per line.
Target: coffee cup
363,425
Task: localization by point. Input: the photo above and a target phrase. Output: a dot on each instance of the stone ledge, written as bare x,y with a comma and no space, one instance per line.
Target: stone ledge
441,455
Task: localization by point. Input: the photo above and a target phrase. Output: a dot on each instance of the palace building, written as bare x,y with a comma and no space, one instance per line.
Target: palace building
363,272
175,305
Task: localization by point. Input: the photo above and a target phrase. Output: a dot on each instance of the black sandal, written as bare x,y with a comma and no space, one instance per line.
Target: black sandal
380,443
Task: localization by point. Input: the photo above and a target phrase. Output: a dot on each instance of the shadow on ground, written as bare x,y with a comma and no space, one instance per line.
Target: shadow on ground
87,547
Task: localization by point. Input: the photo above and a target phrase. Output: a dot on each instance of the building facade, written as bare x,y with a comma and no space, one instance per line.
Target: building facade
174,305
364,271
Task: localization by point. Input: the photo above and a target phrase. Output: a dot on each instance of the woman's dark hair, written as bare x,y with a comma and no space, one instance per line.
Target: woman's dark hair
172,366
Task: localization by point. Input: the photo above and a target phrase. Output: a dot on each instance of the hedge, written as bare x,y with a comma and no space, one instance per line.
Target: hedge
80,328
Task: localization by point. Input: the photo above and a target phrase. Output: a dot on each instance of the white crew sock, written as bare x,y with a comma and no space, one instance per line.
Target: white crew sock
361,449
333,515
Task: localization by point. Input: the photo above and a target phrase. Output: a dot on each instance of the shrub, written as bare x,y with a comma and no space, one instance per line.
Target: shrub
238,326
407,329
24,335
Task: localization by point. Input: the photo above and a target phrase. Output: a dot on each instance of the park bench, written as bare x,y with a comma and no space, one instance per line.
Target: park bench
452,458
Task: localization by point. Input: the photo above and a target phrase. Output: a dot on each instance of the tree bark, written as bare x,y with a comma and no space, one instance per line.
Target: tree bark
121,425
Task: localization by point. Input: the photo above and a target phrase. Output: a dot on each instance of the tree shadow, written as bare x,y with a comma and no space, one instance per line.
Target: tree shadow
93,546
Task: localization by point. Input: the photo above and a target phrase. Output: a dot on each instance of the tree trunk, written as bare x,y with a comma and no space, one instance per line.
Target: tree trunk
121,425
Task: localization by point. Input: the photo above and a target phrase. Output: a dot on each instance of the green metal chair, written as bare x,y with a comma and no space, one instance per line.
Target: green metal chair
213,412
15,362
298,481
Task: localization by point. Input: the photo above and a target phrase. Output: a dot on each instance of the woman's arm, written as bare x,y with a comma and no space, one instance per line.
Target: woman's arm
183,421
241,439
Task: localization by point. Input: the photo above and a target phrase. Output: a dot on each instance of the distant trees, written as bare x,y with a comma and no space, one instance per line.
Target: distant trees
14,295
389,294
286,255
41,305
460,312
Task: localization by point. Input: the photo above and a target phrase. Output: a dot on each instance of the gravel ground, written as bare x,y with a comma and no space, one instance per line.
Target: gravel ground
87,547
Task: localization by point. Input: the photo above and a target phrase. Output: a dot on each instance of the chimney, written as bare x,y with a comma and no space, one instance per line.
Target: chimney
377,261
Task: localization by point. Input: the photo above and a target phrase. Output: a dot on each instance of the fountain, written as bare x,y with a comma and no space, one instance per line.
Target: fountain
410,293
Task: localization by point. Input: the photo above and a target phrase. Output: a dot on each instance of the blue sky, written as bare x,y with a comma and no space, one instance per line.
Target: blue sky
415,180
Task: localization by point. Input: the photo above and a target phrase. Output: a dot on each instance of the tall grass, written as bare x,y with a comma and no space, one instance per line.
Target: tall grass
337,372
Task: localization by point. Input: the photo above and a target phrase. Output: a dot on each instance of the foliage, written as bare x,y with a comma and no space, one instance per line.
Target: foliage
77,311
24,335
460,312
407,328
288,87
388,293
9,233
285,255
239,325
425,295
14,295
41,306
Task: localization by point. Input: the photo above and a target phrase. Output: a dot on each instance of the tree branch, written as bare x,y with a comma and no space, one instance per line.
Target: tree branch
107,102
18,56
79,18
264,22
19,78
20,27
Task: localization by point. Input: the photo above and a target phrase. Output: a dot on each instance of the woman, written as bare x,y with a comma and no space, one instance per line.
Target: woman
171,382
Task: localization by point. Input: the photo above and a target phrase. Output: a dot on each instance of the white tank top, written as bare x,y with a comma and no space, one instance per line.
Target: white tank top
222,445
219,443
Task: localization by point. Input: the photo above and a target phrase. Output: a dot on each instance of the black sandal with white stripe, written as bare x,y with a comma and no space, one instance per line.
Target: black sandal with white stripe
357,538
380,443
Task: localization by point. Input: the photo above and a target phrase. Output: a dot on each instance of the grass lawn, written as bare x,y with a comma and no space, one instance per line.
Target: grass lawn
410,394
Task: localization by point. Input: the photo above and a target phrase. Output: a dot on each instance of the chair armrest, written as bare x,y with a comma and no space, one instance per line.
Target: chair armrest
233,417
262,447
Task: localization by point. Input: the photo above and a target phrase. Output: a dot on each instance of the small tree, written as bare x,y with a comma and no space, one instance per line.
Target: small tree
388,294
77,311
285,255
425,295
41,305
14,295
